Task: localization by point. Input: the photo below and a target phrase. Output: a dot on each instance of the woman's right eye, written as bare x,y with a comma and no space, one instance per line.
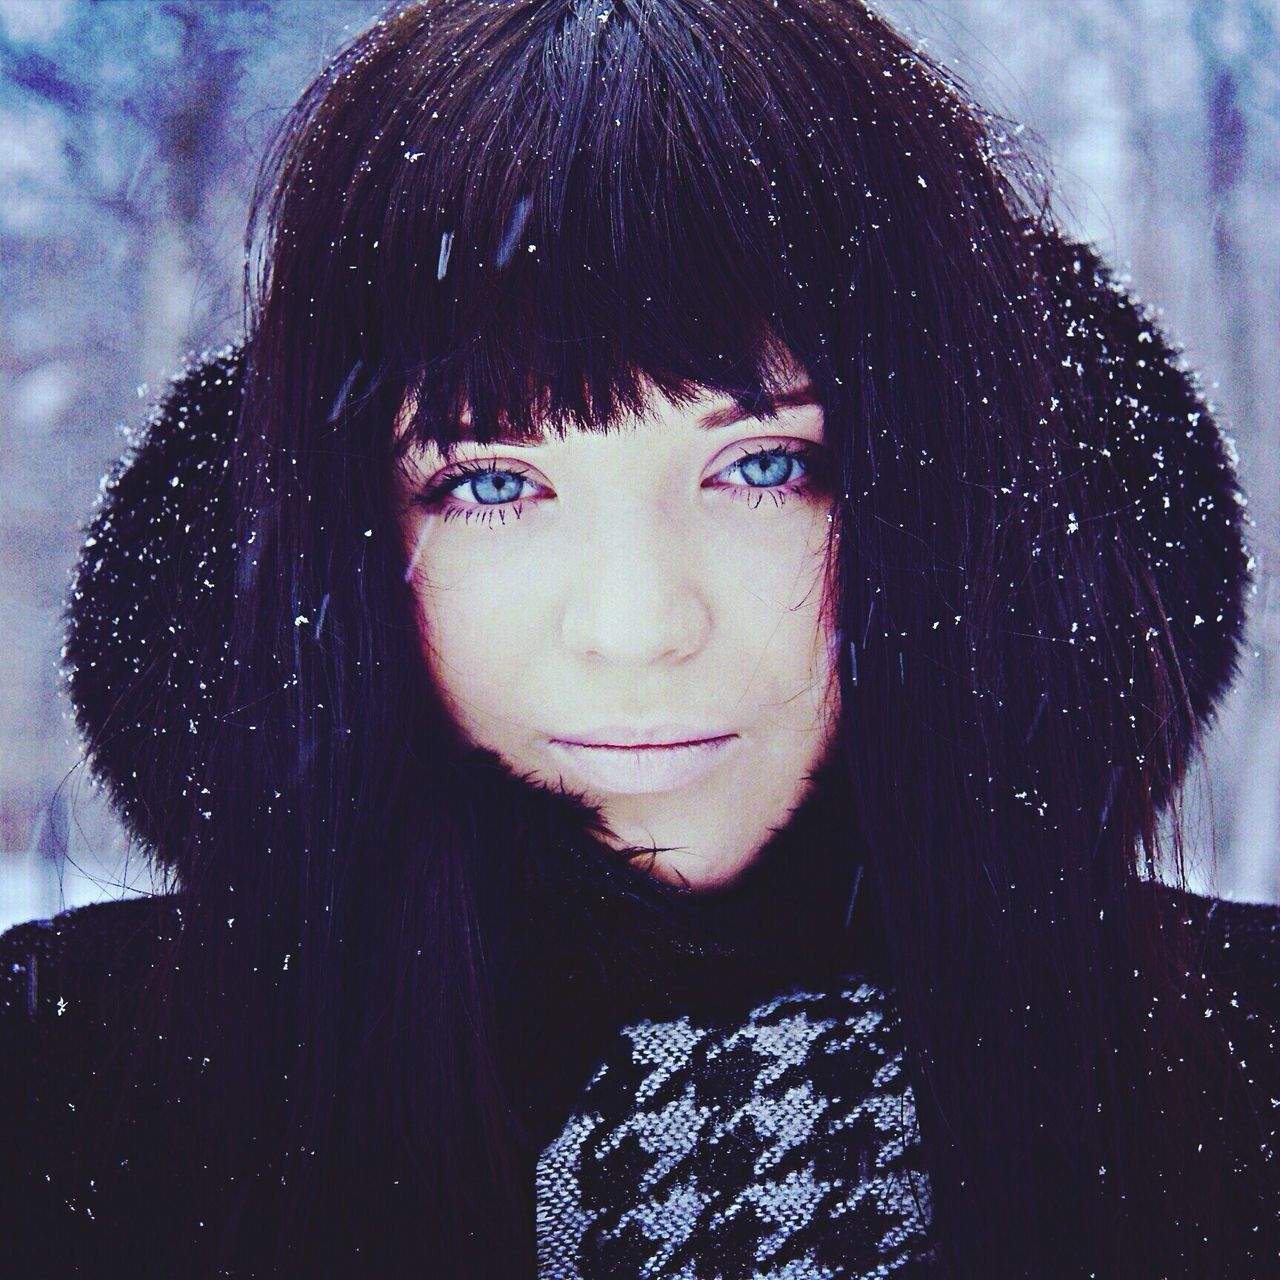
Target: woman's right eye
490,486
477,489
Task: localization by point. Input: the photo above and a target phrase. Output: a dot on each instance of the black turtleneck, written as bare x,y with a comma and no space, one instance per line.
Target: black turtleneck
605,945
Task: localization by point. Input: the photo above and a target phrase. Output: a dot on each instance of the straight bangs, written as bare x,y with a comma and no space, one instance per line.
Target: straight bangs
611,208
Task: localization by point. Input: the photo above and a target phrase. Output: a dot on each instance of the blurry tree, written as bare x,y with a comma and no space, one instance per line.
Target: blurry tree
1236,43
1157,122
129,137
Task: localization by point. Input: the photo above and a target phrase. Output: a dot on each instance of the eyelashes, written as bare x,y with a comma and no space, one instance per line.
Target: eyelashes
438,496
777,472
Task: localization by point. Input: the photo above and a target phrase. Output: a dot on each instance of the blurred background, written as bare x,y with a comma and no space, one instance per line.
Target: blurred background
130,133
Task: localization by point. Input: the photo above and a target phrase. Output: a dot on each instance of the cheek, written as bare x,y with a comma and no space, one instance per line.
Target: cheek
777,610
802,654
477,627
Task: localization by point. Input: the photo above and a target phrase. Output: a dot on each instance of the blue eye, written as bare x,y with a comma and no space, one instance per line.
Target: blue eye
770,468
492,487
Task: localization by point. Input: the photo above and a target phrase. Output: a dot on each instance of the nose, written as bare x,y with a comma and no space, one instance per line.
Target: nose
634,598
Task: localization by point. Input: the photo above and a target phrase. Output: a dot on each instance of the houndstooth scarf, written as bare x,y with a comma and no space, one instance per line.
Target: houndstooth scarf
783,1146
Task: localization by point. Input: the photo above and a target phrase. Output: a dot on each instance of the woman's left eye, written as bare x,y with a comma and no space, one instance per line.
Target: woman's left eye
787,467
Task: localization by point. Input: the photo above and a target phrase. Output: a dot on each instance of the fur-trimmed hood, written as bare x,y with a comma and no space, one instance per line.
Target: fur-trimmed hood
152,602
158,567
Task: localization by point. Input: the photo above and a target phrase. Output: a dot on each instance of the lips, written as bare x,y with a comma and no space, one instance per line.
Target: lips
642,768
658,735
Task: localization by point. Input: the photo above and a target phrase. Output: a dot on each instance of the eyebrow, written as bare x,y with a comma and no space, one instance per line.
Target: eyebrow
795,398
802,396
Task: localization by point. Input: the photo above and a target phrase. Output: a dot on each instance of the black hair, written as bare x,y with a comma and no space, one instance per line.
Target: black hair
529,207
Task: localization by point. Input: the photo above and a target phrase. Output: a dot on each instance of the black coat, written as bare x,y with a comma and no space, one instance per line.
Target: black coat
68,991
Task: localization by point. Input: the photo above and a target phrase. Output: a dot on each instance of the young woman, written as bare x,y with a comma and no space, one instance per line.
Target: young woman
660,671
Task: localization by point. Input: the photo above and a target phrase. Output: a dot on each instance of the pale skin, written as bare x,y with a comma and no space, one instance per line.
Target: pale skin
652,575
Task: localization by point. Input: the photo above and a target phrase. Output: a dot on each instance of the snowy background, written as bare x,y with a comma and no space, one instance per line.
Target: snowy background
130,131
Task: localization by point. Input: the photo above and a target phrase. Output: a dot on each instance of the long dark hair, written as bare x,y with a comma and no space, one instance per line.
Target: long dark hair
531,205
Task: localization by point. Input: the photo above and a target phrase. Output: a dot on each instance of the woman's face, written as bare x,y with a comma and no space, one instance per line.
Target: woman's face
584,601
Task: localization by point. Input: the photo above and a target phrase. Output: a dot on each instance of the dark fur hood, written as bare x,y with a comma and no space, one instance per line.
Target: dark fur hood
152,593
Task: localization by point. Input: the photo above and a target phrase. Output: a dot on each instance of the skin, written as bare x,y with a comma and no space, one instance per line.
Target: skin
648,576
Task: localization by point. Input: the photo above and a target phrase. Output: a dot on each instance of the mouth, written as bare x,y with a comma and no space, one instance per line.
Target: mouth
645,768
